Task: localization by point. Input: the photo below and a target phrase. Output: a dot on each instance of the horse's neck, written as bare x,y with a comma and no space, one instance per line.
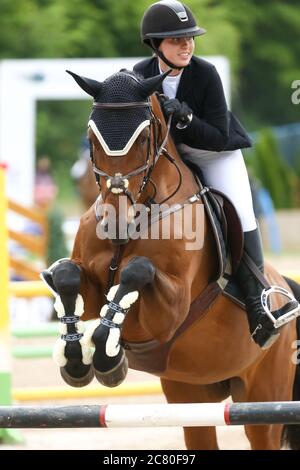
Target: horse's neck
166,177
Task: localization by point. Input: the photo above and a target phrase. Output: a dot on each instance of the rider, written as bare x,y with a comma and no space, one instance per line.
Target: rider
208,135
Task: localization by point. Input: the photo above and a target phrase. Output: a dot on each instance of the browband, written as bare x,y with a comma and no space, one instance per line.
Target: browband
137,104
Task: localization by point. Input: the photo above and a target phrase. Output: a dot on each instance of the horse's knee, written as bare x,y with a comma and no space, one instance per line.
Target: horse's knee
137,273
66,278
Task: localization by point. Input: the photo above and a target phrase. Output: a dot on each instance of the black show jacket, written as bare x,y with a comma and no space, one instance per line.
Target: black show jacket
213,127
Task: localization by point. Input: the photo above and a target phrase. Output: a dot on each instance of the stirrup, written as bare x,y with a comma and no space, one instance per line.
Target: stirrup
286,317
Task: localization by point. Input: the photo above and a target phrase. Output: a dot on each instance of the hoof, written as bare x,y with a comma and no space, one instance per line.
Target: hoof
115,376
77,381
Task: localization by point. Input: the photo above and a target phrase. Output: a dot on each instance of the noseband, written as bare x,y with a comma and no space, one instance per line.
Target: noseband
118,184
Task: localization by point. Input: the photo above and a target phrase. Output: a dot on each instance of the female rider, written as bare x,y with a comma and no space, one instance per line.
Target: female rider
208,135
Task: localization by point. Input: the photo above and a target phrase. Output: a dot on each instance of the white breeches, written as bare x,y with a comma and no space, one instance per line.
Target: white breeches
226,172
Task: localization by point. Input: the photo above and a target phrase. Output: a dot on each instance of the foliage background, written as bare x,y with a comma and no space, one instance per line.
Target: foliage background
261,40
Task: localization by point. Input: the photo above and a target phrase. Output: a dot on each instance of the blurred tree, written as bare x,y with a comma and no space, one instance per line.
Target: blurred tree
60,129
261,40
57,248
54,28
273,172
222,37
270,42
99,28
94,28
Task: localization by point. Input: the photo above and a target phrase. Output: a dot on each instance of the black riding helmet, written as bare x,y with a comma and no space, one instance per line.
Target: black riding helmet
168,19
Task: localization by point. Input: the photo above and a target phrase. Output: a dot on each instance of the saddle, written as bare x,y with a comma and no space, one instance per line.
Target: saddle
228,235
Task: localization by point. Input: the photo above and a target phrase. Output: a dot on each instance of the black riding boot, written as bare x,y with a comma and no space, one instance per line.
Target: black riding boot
261,327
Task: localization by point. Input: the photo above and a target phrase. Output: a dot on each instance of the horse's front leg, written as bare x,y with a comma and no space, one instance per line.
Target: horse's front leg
70,351
109,360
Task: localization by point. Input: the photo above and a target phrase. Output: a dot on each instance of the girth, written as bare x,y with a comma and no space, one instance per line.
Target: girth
152,356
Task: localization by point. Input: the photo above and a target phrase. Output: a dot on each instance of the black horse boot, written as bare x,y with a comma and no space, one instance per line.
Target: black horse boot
261,326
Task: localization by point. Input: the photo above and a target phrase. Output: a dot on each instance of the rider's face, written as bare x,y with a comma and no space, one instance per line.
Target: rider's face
178,50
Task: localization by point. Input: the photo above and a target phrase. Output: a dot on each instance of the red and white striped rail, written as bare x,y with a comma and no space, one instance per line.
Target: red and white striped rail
143,415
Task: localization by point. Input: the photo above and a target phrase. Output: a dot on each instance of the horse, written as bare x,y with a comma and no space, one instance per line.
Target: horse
154,303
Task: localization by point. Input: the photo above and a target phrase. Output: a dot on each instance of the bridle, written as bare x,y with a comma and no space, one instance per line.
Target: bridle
118,183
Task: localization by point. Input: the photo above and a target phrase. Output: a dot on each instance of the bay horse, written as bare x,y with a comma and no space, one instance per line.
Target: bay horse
153,301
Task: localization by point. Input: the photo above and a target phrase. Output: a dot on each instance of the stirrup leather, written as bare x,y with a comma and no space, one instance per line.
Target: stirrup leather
286,317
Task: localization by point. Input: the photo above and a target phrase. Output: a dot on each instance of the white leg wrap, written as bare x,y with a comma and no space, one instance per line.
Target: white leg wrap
62,328
112,292
80,327
87,353
59,347
129,299
58,353
112,346
60,310
58,307
87,338
103,311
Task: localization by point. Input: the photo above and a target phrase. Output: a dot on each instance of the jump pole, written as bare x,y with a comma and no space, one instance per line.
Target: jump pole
5,347
156,415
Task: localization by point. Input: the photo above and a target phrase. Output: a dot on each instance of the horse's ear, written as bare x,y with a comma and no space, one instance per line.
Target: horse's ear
150,85
91,87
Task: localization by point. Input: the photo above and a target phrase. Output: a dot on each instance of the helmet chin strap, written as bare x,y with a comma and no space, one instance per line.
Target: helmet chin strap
163,57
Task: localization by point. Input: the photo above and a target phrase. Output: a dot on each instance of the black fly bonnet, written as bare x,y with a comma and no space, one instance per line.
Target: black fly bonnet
118,128
121,110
